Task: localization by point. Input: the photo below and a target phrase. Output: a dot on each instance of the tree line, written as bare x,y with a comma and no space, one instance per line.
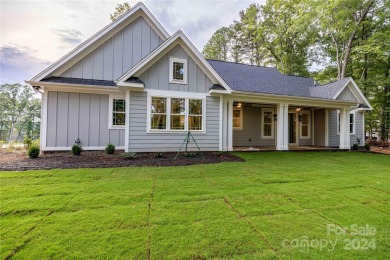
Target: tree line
326,40
20,112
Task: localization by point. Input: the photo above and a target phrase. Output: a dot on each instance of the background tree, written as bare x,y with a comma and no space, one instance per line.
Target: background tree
119,10
17,104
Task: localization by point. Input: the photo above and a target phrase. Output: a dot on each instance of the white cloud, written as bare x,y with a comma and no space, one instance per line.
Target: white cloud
53,28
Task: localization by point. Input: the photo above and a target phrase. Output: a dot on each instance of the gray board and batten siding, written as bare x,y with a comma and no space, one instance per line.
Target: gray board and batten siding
251,129
80,115
157,76
118,54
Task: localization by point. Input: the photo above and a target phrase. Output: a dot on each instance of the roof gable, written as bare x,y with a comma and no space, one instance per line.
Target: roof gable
176,39
85,48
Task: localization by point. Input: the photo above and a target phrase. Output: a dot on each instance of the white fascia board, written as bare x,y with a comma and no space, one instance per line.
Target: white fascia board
104,33
273,99
131,85
355,91
186,44
219,91
78,88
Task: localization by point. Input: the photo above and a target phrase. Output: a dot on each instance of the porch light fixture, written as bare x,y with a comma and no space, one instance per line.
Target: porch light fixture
239,105
298,109
275,117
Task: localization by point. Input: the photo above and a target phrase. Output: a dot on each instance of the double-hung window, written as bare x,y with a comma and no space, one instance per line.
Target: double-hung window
176,114
237,118
305,125
268,124
351,122
117,113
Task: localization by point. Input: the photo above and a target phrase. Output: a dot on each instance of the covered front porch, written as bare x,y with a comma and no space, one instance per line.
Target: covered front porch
266,124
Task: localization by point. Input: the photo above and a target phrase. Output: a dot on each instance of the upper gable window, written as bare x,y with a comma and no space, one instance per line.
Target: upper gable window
178,70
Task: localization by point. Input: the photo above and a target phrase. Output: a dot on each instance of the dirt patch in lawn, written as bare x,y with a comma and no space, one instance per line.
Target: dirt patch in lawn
19,161
382,150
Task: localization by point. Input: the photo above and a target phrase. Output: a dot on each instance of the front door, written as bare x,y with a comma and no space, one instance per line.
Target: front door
292,128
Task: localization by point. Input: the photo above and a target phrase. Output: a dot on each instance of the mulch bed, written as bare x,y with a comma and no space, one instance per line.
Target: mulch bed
19,161
381,150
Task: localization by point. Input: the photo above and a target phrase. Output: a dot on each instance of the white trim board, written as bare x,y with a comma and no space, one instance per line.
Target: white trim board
86,148
355,91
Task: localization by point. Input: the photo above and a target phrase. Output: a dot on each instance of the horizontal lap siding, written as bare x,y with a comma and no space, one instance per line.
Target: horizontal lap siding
251,130
334,138
359,129
141,141
78,115
319,127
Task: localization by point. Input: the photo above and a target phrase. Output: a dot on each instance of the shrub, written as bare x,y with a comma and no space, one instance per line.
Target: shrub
191,154
110,149
27,143
129,155
33,152
159,155
76,149
367,147
355,147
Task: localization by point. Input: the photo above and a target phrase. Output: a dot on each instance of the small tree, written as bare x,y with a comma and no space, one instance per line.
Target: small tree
119,10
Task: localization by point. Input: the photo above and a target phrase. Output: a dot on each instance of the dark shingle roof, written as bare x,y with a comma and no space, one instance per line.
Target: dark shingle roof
257,79
217,87
93,82
248,78
328,90
134,80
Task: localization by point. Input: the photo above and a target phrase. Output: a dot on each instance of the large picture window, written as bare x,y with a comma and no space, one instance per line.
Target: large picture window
117,113
176,114
267,124
178,70
305,125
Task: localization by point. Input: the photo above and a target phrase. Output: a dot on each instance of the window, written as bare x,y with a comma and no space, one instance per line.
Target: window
176,114
305,125
178,70
159,113
351,122
237,118
117,114
268,124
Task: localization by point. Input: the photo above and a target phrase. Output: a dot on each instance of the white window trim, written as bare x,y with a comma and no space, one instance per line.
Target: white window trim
353,123
349,123
110,111
308,125
186,96
180,60
241,118
272,123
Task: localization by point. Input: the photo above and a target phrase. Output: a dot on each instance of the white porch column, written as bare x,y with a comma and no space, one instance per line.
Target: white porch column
224,124
230,125
127,120
282,127
344,129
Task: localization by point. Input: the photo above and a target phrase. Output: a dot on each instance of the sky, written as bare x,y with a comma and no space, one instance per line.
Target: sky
34,34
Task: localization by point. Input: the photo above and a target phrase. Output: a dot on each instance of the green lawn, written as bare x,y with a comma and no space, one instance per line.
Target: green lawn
266,207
